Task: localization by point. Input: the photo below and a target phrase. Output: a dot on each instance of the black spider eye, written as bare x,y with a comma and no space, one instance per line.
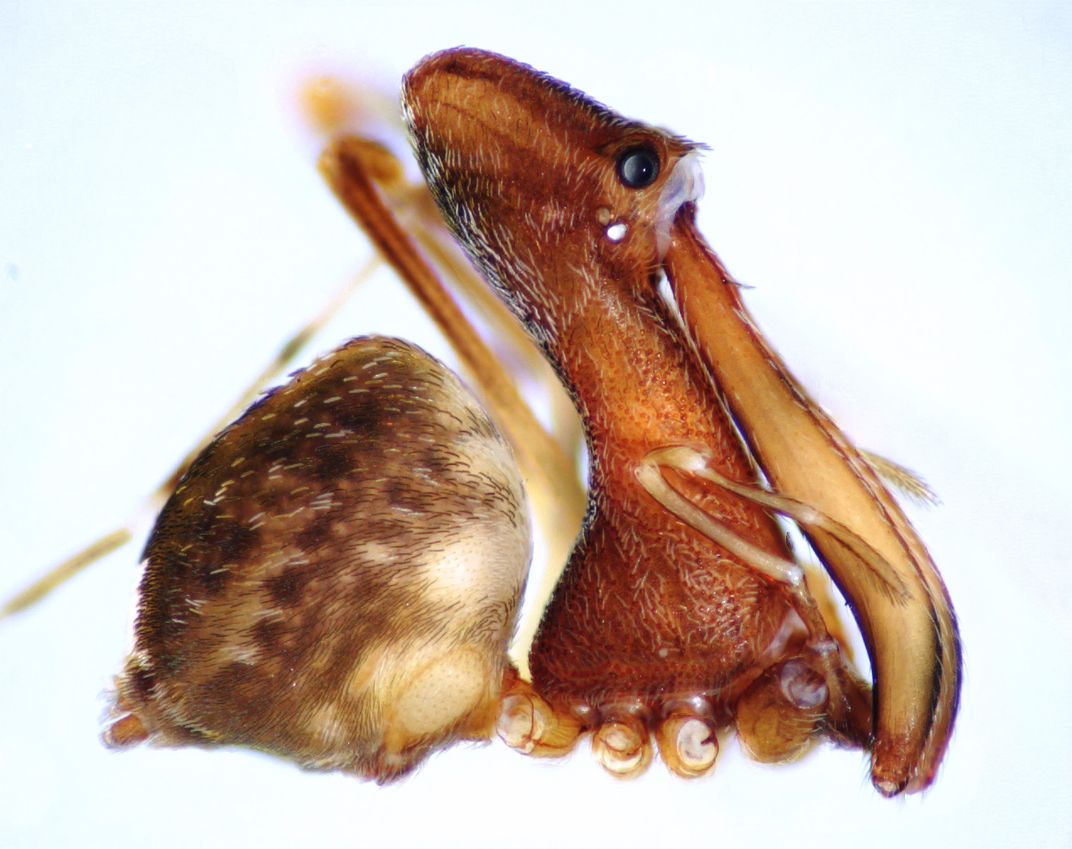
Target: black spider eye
638,167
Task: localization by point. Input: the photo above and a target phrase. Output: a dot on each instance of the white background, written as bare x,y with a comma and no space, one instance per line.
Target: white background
892,179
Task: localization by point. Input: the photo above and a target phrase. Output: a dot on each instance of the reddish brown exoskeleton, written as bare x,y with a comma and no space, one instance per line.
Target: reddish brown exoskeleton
336,578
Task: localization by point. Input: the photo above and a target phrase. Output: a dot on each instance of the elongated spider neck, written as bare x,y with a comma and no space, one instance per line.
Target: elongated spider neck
637,385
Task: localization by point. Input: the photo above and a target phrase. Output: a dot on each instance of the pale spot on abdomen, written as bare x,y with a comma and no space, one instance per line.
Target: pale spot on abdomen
439,695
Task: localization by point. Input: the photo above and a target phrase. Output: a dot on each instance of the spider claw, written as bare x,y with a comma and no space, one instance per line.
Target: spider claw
623,747
688,744
530,725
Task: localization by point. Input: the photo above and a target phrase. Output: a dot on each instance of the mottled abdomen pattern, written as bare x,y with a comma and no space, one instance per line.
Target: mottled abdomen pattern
336,578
